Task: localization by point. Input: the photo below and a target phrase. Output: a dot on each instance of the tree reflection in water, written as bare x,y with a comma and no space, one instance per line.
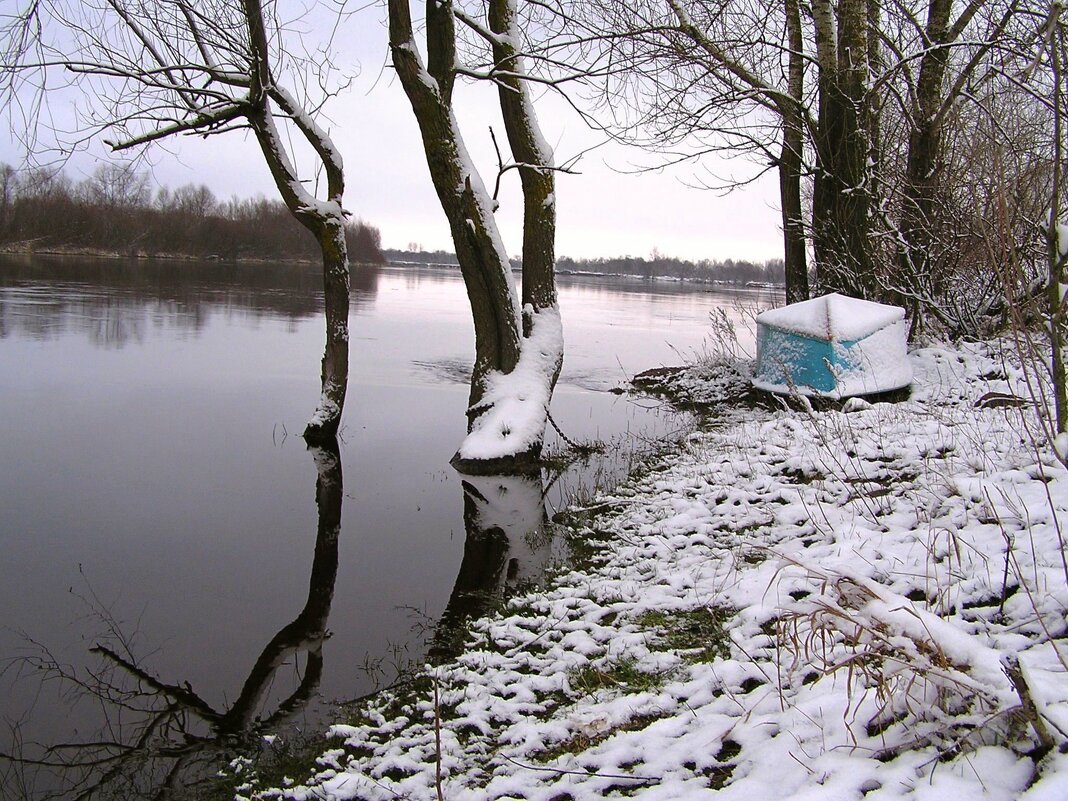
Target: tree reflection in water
158,737
162,740
509,546
119,302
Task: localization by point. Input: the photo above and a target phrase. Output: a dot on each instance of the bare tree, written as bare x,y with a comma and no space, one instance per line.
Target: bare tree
150,70
848,100
1053,38
689,79
518,348
1038,69
934,59
117,185
745,75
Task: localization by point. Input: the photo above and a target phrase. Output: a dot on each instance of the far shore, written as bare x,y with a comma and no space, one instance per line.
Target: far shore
28,248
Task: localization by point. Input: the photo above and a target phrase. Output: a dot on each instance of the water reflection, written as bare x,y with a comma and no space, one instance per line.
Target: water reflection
159,737
111,458
162,739
510,544
116,302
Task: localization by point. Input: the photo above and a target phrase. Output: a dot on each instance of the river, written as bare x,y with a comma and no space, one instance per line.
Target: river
156,498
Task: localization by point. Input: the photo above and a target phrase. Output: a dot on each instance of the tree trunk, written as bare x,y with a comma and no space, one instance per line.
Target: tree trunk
924,148
335,373
841,224
822,192
790,163
873,108
329,231
1057,250
536,171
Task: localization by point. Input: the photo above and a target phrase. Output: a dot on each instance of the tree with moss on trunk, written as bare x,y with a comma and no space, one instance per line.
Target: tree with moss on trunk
518,346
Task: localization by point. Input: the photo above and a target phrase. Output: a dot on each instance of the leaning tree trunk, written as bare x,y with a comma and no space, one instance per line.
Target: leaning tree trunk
467,205
307,632
325,220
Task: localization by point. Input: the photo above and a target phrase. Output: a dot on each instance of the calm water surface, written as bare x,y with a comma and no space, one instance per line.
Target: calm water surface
154,494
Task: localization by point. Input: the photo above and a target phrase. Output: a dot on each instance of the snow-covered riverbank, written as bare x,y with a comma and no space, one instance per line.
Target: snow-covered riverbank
798,605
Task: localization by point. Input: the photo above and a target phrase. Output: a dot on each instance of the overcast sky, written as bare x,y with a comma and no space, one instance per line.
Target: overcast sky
603,211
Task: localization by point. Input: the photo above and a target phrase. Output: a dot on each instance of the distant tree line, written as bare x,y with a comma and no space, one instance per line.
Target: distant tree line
114,210
656,266
427,258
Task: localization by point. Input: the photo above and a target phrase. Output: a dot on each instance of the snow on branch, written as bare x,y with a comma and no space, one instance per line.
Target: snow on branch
479,28
203,122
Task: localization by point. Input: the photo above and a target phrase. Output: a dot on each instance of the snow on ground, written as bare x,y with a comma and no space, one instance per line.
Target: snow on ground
799,605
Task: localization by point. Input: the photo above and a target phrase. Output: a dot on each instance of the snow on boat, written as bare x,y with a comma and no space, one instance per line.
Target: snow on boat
833,346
